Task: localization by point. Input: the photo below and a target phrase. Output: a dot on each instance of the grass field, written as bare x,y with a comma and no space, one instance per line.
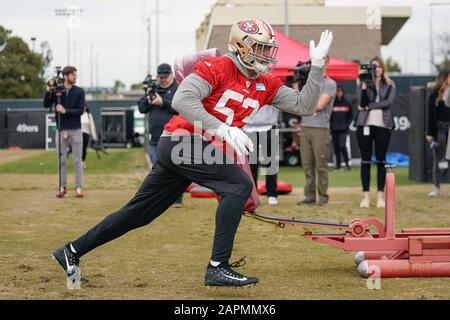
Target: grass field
167,259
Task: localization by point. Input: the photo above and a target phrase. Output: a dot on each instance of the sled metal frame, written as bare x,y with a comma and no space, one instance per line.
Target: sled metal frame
413,252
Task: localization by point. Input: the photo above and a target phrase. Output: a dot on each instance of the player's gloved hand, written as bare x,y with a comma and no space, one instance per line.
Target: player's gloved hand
318,54
236,138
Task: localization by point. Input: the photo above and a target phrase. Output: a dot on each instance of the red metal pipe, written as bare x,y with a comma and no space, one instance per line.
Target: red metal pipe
360,256
403,269
389,211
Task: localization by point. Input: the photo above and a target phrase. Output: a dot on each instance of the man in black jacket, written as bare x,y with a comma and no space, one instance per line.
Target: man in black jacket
69,111
341,117
159,110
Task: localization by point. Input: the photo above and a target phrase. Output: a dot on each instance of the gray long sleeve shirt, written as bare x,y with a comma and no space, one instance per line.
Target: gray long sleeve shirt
187,101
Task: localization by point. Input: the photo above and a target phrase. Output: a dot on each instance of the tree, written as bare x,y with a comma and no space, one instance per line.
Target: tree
118,85
136,86
392,66
21,70
444,50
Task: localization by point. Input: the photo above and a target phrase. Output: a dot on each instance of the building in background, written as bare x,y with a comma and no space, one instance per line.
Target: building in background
359,32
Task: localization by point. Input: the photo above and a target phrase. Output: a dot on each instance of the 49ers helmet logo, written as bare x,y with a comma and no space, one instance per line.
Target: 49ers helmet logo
248,26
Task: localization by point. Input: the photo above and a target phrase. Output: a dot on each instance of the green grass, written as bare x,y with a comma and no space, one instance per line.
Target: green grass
296,176
45,162
167,259
123,161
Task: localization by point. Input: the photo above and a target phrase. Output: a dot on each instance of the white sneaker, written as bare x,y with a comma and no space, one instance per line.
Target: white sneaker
79,193
365,203
84,165
435,192
273,201
381,203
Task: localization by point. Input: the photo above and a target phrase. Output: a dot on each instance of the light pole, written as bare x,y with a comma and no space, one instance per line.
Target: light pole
286,18
73,14
157,32
149,43
92,65
430,35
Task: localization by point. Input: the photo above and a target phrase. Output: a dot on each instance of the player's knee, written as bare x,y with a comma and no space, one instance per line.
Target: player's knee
242,186
246,186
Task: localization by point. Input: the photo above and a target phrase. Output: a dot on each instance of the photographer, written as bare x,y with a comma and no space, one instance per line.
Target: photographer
438,128
68,118
374,124
157,102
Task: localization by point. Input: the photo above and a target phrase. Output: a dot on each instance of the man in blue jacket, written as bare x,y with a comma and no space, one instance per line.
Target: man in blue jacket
69,110
160,111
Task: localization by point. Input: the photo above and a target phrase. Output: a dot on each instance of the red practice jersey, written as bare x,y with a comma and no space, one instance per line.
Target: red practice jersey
234,99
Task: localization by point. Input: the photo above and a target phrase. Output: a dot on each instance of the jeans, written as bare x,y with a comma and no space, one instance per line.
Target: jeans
152,153
75,139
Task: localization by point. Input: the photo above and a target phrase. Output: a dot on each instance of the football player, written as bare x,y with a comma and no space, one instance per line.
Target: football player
215,101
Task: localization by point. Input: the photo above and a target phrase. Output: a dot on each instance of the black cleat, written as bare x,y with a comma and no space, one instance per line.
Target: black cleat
323,201
306,201
70,264
224,276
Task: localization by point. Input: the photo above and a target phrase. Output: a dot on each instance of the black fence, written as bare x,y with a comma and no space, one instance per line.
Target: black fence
25,123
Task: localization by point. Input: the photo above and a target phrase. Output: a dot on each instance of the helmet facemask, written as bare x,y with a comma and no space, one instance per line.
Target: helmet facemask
263,56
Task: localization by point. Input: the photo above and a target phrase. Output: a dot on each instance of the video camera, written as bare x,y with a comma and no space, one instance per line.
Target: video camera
301,72
367,72
151,87
56,83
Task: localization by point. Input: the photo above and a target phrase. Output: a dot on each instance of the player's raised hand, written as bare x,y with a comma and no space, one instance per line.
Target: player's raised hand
318,54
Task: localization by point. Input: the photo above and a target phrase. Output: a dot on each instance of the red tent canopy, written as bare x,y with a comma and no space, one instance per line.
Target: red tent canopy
290,52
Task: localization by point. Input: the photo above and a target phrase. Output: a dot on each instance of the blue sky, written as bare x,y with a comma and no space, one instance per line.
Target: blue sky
117,31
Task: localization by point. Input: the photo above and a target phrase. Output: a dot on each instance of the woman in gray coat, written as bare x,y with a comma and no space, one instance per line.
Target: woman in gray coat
374,124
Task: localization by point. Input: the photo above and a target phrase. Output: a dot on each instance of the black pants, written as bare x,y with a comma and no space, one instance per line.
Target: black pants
164,185
439,153
271,179
85,145
339,138
378,137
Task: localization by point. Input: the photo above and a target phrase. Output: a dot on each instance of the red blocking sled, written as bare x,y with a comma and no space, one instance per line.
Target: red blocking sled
412,252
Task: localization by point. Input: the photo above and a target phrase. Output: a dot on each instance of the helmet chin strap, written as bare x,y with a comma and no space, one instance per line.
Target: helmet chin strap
261,67
247,69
